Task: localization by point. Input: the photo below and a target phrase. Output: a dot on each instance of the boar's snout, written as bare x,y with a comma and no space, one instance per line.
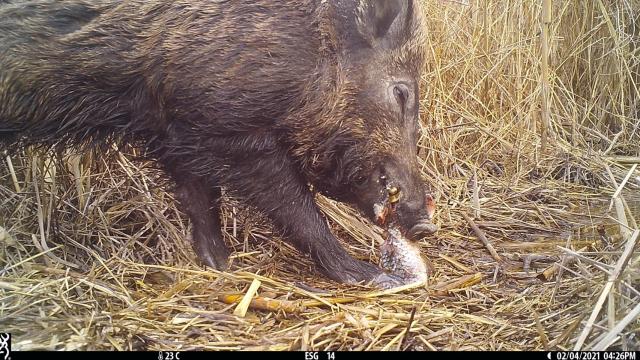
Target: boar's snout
398,184
414,210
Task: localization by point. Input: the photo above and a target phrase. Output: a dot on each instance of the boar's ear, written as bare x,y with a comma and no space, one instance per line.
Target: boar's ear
382,21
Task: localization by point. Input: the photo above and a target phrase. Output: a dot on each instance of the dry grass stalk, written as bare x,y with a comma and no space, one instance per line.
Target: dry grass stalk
263,303
624,181
14,177
482,237
243,306
476,196
545,87
617,271
613,333
461,283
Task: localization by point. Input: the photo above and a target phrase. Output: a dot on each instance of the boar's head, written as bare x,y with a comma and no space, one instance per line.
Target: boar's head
364,140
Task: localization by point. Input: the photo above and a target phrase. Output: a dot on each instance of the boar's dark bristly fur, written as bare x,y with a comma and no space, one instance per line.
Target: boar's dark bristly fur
262,98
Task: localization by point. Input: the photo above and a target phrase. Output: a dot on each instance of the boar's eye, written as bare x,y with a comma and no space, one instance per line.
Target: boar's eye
360,182
401,93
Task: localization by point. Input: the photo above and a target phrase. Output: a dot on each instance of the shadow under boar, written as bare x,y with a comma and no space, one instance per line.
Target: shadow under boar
263,99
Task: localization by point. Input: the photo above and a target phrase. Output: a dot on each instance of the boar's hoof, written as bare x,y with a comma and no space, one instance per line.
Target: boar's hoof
215,258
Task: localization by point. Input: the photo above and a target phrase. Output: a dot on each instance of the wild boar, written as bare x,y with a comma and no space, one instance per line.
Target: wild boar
271,100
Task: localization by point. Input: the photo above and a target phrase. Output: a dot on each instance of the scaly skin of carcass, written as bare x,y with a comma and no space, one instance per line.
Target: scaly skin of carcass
402,258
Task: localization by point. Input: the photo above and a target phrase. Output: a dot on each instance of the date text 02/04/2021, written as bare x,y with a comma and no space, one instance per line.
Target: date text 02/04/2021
592,355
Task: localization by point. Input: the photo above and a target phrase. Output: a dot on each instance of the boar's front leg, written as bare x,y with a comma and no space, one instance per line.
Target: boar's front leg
275,185
201,202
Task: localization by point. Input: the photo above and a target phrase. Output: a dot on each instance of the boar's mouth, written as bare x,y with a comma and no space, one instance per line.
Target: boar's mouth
422,229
